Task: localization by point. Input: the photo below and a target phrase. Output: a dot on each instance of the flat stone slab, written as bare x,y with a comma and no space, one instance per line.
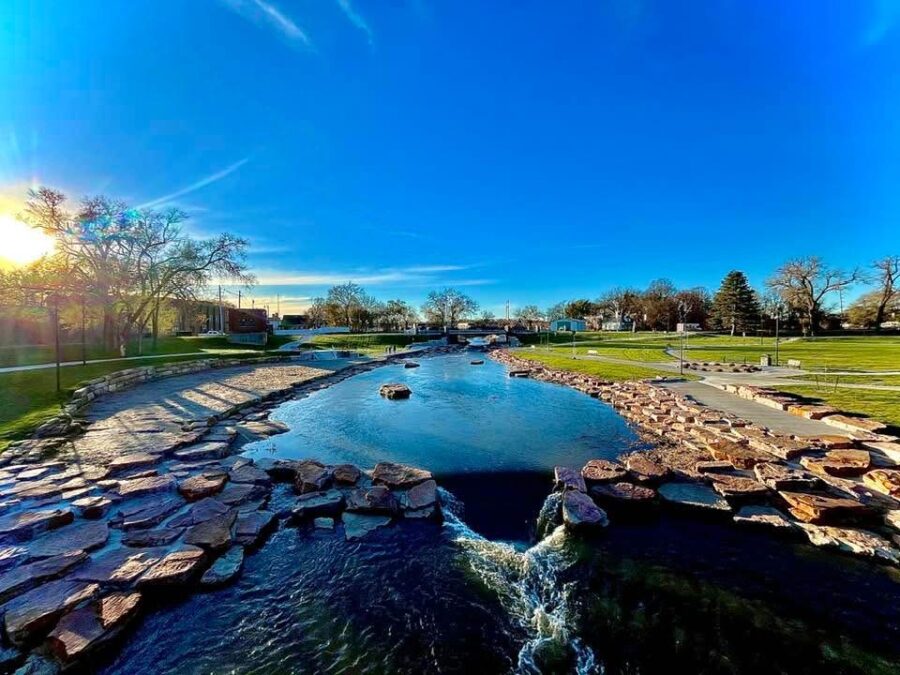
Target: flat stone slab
783,477
603,471
737,486
213,534
25,577
250,527
310,476
81,536
199,512
565,478
315,504
139,487
580,512
93,507
82,630
176,567
240,493
840,462
119,566
202,485
250,474
763,515
33,614
854,423
134,460
323,523
346,474
419,496
376,499
25,525
399,476
225,568
145,512
886,481
646,469
811,508
201,451
859,542
623,492
162,536
358,525
691,494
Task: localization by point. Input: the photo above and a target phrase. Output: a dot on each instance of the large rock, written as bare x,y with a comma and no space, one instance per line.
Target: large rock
225,569
623,492
565,478
399,476
783,477
82,630
693,495
886,481
315,504
737,487
358,525
395,391
839,462
213,534
250,474
32,615
26,525
162,536
250,527
118,566
176,567
199,512
859,542
310,476
25,577
82,536
202,485
580,512
139,487
419,496
811,508
603,471
763,515
346,474
377,499
133,461
645,469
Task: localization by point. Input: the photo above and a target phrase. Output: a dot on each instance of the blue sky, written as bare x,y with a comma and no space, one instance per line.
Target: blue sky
523,150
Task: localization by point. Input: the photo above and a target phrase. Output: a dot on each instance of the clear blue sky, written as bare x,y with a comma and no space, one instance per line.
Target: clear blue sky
530,151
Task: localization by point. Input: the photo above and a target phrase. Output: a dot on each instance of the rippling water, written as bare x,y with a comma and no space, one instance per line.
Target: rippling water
498,587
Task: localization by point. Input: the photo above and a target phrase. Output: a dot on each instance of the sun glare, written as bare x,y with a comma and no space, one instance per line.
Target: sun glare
21,244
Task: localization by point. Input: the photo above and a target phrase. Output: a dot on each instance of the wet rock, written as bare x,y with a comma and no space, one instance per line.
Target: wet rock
645,469
395,391
690,494
78,537
477,362
213,534
311,476
224,569
145,513
132,461
377,499
346,474
419,496
201,451
886,481
323,523
202,485
25,577
32,615
859,542
315,504
251,527
580,512
82,630
623,492
839,462
250,474
410,364
737,486
811,508
118,566
280,470
235,494
10,556
763,515
26,525
603,471
714,466
892,519
358,525
139,487
199,512
162,536
783,477
38,664
425,513
176,567
399,476
565,478
254,430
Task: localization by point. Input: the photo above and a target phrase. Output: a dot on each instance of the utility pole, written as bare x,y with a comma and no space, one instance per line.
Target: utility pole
56,335
83,347
507,316
239,299
221,311
777,317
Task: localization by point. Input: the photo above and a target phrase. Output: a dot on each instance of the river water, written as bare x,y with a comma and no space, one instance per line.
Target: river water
483,593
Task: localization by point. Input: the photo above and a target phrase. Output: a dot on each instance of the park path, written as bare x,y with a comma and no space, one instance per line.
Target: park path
67,364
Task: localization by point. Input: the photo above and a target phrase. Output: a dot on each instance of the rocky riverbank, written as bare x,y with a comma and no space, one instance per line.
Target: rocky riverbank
838,490
169,505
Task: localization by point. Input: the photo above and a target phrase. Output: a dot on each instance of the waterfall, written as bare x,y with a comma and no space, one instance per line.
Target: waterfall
527,583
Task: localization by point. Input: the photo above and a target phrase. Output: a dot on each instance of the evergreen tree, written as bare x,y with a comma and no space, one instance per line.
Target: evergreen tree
735,305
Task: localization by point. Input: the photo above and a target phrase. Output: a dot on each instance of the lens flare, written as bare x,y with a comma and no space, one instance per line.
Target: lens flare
20,243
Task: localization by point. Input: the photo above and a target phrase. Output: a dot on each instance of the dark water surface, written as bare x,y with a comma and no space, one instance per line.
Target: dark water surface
657,594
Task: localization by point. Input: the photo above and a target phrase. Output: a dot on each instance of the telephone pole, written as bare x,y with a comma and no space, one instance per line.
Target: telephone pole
239,299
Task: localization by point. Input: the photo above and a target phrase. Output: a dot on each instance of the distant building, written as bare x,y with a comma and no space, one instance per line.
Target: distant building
295,321
247,320
618,324
573,325
687,328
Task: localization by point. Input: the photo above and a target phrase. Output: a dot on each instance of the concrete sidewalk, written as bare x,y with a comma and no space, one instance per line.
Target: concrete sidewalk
124,359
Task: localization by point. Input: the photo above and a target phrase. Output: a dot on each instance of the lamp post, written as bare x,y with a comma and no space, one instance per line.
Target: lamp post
777,318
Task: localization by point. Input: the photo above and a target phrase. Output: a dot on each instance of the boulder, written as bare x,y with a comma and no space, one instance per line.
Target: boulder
693,495
346,474
213,534
139,487
358,525
603,471
763,515
32,615
25,577
812,508
395,391
580,512
376,499
176,567
565,478
886,481
225,568
623,492
859,542
25,525
82,630
315,504
202,485
250,527
162,536
310,476
399,476
419,496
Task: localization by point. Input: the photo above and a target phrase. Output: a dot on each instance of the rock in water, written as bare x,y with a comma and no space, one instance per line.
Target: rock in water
567,479
31,615
395,391
311,476
644,468
250,527
859,542
83,536
377,499
82,630
346,474
763,515
580,512
624,492
399,476
315,504
202,485
410,364
420,496
323,523
358,525
213,534
225,569
689,494
603,471
175,568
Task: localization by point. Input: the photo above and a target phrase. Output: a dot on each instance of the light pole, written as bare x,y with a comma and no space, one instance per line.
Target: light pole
681,360
777,318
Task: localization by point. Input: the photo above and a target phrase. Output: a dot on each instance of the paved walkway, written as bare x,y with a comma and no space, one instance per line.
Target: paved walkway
66,364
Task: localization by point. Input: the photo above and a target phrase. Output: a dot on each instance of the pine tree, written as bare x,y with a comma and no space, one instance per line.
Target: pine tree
735,305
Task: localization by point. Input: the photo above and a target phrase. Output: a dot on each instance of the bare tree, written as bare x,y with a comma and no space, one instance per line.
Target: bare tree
529,315
887,276
448,306
805,282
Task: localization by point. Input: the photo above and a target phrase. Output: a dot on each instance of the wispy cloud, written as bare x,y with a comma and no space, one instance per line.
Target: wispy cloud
885,16
413,275
266,13
193,187
356,19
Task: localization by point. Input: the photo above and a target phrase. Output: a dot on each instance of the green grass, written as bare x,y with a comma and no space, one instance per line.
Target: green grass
602,369
368,343
881,405
825,379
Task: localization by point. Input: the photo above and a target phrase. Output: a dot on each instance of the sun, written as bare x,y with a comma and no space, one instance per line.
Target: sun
20,243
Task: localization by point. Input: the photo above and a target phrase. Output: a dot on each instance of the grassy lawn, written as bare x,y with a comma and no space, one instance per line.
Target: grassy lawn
630,346
824,379
609,371
882,405
369,343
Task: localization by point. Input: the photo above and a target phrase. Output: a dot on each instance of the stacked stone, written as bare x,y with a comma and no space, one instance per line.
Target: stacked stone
716,367
838,490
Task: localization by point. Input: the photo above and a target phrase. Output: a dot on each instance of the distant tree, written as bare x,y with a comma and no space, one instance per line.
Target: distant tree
659,306
317,314
579,309
529,315
735,306
693,305
448,306
557,311
887,277
397,315
345,303
621,304
804,283
486,317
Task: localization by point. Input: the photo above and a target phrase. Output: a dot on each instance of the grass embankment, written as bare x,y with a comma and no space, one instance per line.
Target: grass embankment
602,369
881,405
368,343
649,347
